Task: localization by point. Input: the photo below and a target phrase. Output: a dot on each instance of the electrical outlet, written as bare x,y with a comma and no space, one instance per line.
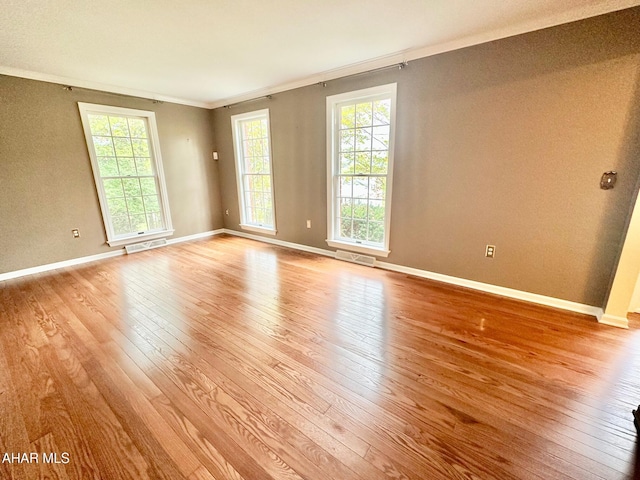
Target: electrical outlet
76,233
308,223
226,212
215,155
490,251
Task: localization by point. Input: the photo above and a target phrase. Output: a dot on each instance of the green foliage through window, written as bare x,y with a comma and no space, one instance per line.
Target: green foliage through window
362,158
126,170
253,161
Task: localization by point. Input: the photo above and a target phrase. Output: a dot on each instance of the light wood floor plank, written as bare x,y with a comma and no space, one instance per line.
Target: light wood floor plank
231,359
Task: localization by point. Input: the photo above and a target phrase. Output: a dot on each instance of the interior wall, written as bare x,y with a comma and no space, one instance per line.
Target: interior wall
502,143
47,186
634,306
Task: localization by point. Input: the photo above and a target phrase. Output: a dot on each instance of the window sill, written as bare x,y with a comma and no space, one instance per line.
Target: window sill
119,242
378,252
257,229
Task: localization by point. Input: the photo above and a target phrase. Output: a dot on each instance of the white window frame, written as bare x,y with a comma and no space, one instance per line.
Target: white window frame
240,170
119,240
334,102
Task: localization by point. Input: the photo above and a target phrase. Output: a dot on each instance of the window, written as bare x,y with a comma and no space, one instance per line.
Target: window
127,167
253,169
360,139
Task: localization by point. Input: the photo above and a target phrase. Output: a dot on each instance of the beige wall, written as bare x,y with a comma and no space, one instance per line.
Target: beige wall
46,183
502,143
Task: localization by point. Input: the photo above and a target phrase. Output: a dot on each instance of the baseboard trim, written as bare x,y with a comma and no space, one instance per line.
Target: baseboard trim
92,258
66,263
496,289
282,243
613,320
461,282
195,236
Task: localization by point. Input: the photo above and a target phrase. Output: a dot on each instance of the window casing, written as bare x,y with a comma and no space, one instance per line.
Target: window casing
127,167
254,173
360,141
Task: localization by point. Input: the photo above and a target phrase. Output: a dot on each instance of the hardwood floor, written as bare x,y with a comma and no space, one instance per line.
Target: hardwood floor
232,359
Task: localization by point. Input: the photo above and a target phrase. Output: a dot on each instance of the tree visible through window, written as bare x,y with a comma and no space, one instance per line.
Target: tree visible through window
127,171
360,166
253,167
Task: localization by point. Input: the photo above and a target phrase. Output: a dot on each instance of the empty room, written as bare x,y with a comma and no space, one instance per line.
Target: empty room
319,240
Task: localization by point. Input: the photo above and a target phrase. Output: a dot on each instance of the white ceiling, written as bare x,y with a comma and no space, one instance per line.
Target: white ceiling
213,52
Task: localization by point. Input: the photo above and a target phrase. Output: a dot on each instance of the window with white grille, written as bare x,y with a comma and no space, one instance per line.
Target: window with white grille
125,156
360,138
254,171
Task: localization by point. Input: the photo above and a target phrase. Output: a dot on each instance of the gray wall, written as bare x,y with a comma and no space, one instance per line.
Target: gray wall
501,143
46,183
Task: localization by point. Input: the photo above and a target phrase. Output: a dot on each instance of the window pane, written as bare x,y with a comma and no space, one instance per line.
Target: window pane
347,164
119,126
123,147
266,183
138,223
377,188
364,114
108,166
258,200
379,162
99,125
144,167
346,208
360,209
348,116
359,229
269,220
376,210
249,199
347,140
346,187
254,183
363,139
380,138
103,146
140,147
113,187
376,232
121,225
381,112
127,167
154,220
363,162
131,187
117,206
254,165
148,186
345,228
151,204
135,205
360,187
137,128
247,148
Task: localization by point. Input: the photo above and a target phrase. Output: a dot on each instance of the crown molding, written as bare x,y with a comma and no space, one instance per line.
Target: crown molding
427,51
100,87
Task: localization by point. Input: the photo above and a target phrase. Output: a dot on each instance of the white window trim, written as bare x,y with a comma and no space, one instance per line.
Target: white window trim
254,228
237,149
113,240
332,131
